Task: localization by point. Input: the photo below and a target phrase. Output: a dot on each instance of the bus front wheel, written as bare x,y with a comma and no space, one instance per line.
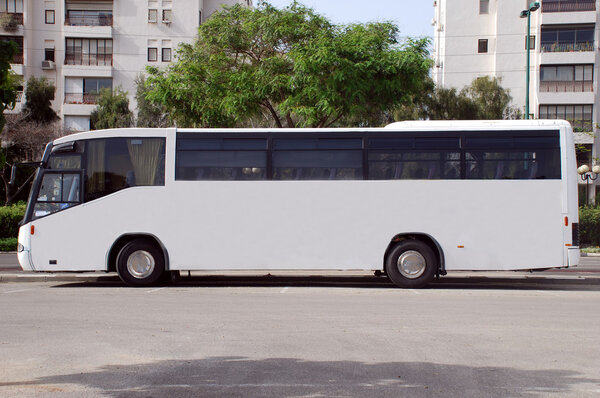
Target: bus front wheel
411,264
140,263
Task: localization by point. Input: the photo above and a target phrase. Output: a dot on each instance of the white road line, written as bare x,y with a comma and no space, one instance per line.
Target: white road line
284,290
155,290
16,291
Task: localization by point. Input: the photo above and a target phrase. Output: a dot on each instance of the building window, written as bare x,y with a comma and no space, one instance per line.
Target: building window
49,54
50,17
200,18
152,15
14,6
482,46
96,52
484,6
152,54
580,116
531,42
18,57
167,16
166,55
567,39
567,78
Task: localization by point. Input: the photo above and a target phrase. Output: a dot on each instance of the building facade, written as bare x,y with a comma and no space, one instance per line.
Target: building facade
82,46
475,38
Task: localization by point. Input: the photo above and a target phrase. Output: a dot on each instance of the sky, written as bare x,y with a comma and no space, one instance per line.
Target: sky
413,17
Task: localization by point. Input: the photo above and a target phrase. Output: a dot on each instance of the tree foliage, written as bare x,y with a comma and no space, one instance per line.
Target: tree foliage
484,98
112,111
289,65
149,114
39,94
8,91
24,141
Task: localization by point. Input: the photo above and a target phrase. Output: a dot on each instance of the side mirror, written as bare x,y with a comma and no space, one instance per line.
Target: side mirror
13,174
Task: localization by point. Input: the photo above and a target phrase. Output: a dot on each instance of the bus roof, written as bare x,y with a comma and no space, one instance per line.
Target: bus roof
452,125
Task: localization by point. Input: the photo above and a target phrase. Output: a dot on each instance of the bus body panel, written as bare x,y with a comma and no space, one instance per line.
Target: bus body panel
287,225
242,225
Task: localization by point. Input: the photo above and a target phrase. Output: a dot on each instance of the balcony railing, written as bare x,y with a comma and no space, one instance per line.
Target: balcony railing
89,59
567,47
89,18
10,21
566,86
568,5
81,98
17,59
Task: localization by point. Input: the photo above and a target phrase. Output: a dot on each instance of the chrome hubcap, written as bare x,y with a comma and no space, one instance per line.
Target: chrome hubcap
411,264
140,264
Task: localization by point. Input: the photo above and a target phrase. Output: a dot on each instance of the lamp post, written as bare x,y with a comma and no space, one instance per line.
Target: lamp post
584,172
527,14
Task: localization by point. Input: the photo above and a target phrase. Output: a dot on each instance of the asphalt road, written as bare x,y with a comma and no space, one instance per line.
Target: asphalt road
300,336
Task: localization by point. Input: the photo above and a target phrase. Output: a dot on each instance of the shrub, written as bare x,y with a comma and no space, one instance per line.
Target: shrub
10,216
8,244
589,226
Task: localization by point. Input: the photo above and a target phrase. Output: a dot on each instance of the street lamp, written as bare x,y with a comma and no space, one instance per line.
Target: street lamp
527,14
584,172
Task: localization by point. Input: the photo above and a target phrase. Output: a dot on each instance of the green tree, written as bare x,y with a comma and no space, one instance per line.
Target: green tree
291,66
39,94
112,111
484,98
149,114
491,99
8,90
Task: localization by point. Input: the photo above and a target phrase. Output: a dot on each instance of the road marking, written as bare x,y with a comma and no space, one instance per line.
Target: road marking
16,291
414,291
284,290
155,290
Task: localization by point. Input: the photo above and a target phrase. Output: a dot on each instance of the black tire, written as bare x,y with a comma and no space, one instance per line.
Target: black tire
414,252
147,263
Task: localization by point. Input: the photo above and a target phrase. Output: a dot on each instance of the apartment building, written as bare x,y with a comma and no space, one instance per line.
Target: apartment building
83,46
475,38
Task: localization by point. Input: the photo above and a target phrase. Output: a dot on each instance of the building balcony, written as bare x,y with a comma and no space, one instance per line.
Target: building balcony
17,59
89,59
566,86
568,5
567,47
10,22
81,98
89,18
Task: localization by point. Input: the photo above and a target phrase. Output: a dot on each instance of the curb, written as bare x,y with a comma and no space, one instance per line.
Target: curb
7,278
552,278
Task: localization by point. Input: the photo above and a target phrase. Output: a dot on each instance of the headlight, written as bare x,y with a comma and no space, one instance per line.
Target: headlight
20,248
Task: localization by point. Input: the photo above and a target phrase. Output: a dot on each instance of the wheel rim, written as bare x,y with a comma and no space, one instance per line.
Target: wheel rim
140,264
411,264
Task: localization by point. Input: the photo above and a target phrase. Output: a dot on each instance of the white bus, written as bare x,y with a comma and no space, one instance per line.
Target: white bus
414,200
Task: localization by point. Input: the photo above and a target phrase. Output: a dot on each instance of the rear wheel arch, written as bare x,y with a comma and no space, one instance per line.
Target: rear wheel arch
113,253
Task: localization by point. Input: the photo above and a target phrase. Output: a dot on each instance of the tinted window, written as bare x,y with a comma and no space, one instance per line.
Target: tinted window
414,158
512,157
317,159
117,163
220,159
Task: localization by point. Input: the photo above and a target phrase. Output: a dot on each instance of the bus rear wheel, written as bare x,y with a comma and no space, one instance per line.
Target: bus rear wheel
140,263
411,264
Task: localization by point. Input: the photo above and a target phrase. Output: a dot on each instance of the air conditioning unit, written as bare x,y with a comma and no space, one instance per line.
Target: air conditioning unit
48,65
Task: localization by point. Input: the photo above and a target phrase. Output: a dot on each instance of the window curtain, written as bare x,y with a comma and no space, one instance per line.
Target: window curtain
96,172
145,157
